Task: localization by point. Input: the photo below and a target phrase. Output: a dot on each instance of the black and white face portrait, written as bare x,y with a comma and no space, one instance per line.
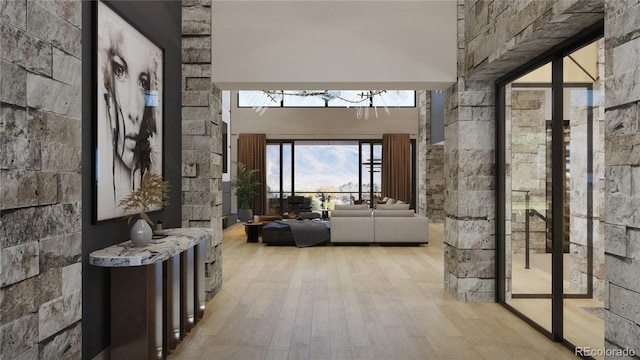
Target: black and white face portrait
129,116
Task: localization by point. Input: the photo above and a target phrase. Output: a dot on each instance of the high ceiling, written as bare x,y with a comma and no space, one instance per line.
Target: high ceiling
334,44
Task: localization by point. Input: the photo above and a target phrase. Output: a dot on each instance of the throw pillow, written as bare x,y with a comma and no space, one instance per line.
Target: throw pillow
391,201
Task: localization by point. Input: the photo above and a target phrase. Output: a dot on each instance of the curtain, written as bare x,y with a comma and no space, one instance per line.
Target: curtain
252,151
396,166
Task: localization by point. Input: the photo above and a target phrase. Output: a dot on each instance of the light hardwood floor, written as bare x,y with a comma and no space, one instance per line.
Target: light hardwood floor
581,327
351,302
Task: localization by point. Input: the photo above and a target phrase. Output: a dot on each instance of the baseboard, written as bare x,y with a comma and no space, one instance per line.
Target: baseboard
104,355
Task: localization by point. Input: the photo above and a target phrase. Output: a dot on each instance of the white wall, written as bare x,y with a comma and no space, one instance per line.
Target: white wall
395,45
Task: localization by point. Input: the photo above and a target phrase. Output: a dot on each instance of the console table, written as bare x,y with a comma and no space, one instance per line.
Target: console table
157,291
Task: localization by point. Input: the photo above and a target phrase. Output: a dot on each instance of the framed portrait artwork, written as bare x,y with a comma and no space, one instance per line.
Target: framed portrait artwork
128,110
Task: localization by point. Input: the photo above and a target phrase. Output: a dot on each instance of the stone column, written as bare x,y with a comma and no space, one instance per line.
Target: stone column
469,273
622,174
430,165
469,249
40,179
424,138
201,136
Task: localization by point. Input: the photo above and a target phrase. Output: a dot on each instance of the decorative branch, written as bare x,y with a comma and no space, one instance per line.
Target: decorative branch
153,191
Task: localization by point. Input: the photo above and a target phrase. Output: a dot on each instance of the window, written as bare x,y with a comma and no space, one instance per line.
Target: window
326,98
259,99
342,170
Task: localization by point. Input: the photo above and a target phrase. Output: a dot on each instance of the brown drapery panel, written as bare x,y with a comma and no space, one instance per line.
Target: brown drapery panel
252,151
396,166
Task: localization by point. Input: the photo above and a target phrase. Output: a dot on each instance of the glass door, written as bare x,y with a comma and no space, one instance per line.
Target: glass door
279,182
583,280
550,195
528,116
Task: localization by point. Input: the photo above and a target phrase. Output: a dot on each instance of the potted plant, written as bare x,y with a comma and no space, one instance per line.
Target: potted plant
323,197
245,186
153,191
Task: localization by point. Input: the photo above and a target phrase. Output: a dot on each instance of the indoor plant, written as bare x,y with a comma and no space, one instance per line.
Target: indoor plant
153,191
245,186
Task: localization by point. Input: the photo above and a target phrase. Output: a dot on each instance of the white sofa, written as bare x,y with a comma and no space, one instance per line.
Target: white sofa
400,226
354,225
385,225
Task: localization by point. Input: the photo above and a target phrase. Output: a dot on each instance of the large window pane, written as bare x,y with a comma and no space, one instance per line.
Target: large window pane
324,169
300,98
329,98
350,98
326,166
273,168
367,167
395,98
273,178
371,170
259,99
287,183
377,175
279,185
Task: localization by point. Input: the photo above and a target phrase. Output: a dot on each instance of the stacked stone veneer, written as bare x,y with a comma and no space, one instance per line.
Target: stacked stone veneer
622,169
201,136
430,165
469,251
40,179
494,38
527,111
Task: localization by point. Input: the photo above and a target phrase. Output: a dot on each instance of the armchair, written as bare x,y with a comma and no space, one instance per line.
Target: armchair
299,204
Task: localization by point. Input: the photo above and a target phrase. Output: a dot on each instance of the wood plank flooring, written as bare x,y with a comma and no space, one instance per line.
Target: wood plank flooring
351,302
581,327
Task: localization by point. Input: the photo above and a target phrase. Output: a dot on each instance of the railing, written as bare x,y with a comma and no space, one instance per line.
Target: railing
528,212
337,197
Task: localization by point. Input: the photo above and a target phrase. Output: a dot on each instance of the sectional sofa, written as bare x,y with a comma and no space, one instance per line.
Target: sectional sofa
387,224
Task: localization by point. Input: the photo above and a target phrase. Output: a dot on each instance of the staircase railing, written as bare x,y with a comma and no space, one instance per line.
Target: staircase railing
529,212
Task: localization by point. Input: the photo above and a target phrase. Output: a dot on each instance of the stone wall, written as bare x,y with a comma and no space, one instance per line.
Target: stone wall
502,35
622,170
430,164
494,38
40,179
201,136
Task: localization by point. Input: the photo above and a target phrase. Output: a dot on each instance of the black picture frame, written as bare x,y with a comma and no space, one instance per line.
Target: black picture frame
128,106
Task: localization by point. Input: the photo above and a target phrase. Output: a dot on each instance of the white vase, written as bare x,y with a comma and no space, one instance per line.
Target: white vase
141,233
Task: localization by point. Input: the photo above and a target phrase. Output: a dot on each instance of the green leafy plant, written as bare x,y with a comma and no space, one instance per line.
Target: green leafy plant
153,191
245,185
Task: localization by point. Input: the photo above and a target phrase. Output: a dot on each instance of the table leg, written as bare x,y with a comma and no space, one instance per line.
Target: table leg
136,312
